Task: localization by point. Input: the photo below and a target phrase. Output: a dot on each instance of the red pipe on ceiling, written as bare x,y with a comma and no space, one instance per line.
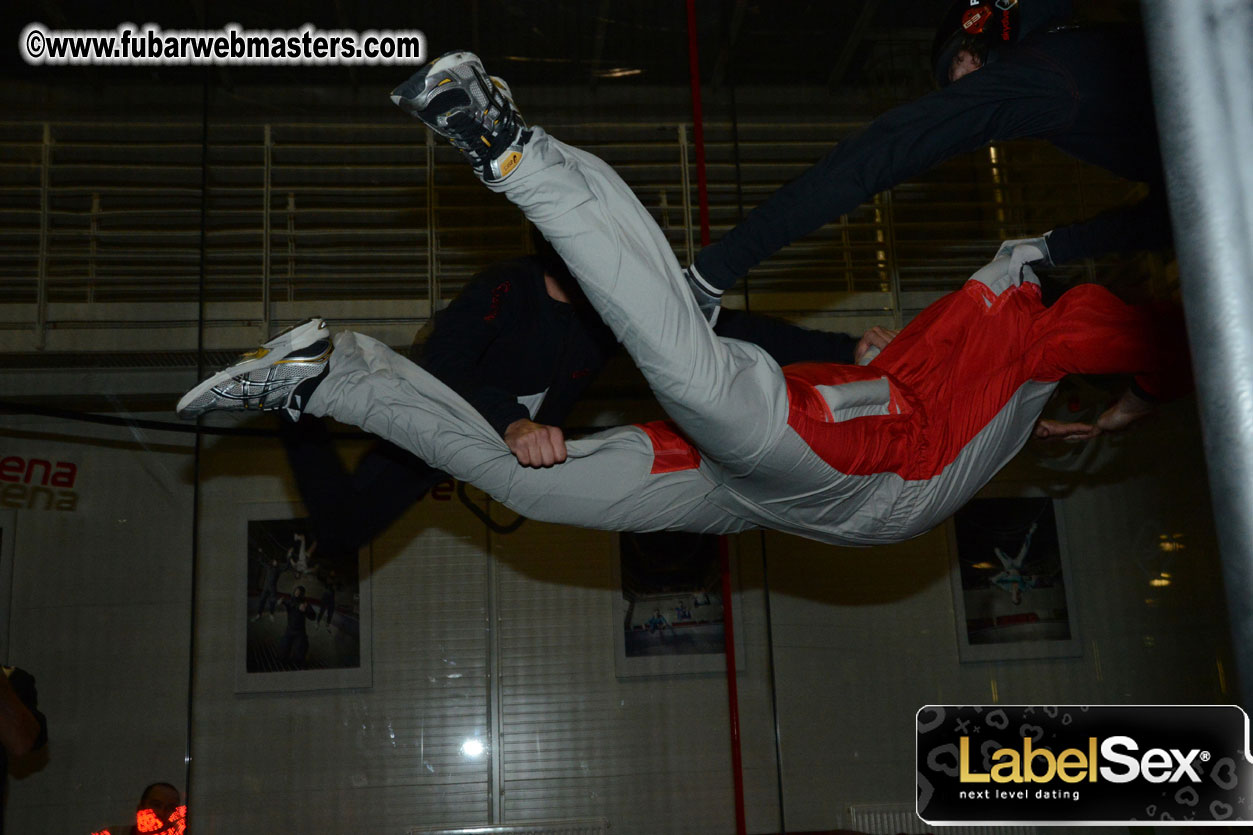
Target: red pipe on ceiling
698,123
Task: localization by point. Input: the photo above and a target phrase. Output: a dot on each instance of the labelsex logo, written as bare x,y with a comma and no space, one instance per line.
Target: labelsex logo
1039,765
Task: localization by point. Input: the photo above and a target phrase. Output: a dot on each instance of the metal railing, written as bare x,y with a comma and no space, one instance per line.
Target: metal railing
377,224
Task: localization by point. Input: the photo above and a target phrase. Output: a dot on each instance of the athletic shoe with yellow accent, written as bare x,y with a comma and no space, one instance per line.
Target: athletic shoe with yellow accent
456,98
281,374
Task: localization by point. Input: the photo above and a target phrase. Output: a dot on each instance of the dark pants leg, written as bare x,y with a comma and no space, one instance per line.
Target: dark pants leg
292,648
350,510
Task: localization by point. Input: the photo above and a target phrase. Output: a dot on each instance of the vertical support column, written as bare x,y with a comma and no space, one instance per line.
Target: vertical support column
1089,265
41,274
291,246
846,247
93,233
265,239
1201,57
702,195
685,182
733,684
432,278
495,750
8,519
698,121
886,236
998,190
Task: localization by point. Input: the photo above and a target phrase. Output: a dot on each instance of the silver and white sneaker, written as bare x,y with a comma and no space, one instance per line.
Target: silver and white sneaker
281,374
457,99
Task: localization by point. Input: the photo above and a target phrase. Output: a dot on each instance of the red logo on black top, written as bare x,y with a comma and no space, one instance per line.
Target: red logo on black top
497,295
974,20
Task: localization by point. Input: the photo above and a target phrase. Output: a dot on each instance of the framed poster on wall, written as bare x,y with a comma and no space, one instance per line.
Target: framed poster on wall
303,614
1010,576
668,613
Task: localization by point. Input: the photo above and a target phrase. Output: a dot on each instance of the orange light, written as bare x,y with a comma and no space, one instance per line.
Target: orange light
146,821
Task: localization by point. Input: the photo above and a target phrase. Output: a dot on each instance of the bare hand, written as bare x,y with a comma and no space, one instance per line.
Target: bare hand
875,339
535,444
1056,430
1125,411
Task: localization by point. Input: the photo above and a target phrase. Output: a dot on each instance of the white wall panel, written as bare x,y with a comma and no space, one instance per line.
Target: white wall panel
385,757
649,754
864,637
99,615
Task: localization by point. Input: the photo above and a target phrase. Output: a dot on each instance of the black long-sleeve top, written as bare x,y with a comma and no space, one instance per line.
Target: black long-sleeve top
295,616
503,337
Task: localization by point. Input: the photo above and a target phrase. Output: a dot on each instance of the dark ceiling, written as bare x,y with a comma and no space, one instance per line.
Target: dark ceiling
840,44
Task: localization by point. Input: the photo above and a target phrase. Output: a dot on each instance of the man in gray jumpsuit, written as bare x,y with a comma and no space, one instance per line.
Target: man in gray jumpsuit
838,453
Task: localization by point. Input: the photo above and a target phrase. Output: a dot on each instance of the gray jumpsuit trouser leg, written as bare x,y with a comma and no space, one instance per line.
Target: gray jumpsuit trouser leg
729,397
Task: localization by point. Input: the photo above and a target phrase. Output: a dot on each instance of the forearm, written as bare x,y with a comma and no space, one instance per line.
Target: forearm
1142,227
785,342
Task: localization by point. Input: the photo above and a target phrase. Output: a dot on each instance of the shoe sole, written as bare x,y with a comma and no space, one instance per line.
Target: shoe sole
437,66
299,336
423,99
422,104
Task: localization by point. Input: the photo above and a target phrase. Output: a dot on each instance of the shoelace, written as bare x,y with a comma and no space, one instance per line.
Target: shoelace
499,120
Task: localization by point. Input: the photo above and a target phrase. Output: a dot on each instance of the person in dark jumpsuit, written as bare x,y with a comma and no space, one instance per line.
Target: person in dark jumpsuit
330,582
1085,89
269,587
518,330
294,645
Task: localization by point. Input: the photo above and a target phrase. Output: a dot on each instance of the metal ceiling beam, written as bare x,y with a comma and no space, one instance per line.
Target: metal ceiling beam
855,35
598,42
53,15
728,43
198,8
341,17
